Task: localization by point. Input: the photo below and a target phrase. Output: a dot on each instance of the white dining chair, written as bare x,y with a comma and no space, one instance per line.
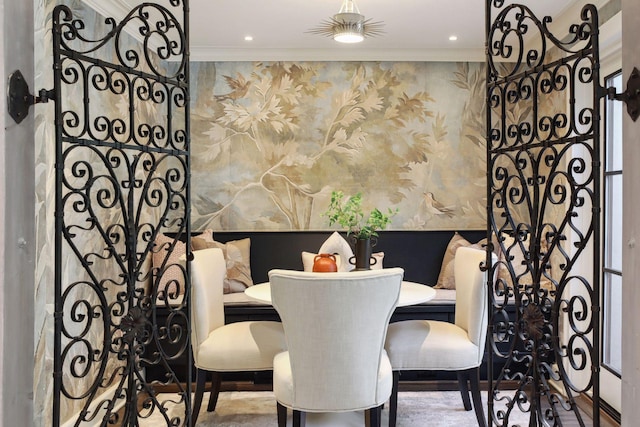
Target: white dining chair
429,345
237,347
335,326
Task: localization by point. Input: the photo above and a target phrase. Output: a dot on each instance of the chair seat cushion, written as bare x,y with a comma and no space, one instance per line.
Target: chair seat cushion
284,389
424,345
241,346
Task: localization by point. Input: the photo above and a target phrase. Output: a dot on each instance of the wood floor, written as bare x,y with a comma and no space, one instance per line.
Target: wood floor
568,420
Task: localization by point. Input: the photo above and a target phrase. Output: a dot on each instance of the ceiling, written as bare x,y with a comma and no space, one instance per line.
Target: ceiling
414,29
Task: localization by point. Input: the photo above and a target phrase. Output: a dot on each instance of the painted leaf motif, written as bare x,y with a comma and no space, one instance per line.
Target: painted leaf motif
352,116
288,91
357,139
391,114
347,98
371,102
339,137
216,132
412,108
418,150
235,115
439,128
263,86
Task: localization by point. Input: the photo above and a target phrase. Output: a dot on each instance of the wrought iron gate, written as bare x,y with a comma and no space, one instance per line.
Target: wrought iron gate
122,182
543,156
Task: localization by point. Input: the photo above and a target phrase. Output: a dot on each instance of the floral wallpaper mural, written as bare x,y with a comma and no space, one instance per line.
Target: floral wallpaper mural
270,141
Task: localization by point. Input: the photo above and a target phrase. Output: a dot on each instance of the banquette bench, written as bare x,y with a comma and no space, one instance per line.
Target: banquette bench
419,253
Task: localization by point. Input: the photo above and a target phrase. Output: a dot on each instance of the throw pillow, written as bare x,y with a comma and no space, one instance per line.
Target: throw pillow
519,268
336,244
379,256
237,254
173,274
446,278
206,235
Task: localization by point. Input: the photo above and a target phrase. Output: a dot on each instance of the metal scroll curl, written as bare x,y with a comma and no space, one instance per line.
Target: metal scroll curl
122,188
162,36
543,202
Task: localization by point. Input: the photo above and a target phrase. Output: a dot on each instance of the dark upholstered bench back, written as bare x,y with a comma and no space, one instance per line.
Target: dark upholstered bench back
420,253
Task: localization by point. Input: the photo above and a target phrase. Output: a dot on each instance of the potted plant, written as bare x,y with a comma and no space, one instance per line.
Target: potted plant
360,227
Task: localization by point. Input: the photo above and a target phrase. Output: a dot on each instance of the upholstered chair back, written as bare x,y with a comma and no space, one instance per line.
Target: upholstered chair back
335,326
471,295
208,269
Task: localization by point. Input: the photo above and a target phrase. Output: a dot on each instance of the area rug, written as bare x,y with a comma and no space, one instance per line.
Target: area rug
415,409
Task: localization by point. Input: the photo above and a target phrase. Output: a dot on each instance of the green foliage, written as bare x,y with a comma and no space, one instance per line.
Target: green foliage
349,215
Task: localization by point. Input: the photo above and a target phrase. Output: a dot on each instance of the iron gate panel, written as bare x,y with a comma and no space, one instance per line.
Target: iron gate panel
122,181
543,190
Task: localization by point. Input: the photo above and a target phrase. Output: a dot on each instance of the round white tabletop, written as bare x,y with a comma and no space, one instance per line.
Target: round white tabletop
411,293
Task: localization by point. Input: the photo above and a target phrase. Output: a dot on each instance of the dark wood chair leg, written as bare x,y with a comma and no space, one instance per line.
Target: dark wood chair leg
373,417
299,418
464,389
282,415
474,380
201,379
216,382
393,400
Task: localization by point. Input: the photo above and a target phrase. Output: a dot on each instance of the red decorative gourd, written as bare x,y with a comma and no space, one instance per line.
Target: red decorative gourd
325,263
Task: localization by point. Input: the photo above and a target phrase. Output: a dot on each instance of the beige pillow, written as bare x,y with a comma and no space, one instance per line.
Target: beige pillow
237,254
206,235
446,278
173,275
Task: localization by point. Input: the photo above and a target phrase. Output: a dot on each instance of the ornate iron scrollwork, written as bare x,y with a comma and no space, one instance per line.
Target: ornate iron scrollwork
122,180
543,156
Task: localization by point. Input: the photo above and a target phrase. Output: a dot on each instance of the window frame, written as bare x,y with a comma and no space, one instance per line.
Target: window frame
607,271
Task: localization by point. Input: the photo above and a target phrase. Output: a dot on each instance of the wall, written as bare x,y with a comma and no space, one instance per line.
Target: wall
17,250
631,227
271,140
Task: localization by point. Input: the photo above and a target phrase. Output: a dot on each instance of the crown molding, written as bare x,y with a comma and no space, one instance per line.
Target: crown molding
422,55
116,9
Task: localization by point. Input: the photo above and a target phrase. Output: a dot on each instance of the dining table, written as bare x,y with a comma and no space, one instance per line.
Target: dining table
411,293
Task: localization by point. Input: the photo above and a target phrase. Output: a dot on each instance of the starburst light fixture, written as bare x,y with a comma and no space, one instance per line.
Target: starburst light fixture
348,25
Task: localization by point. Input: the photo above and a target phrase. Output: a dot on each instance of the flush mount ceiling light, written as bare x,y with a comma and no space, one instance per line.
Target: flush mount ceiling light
348,25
